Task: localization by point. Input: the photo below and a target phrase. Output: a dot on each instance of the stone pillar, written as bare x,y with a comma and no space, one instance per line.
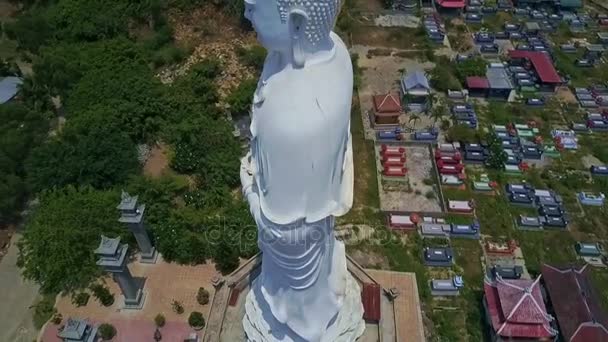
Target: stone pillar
113,258
133,215
127,283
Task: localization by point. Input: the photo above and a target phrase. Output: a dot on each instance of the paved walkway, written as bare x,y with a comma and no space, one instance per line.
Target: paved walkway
133,331
16,297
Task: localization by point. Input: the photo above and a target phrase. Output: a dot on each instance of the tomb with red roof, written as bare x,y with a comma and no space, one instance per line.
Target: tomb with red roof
575,303
516,311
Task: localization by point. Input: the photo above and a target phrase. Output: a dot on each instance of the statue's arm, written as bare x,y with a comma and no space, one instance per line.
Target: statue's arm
252,197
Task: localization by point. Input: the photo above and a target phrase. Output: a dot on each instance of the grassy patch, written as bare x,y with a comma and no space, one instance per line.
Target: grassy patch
389,37
546,247
366,202
44,310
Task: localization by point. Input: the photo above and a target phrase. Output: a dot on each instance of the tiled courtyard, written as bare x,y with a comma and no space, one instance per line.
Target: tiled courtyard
165,282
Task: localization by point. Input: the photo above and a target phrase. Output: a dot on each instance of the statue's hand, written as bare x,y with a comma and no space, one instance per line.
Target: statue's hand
246,174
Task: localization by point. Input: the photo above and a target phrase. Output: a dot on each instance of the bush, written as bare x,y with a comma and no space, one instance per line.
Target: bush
159,320
177,307
202,296
430,194
106,331
253,56
103,294
57,318
196,320
80,299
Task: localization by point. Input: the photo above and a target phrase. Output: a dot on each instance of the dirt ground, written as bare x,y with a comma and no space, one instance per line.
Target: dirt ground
198,31
564,94
158,161
419,196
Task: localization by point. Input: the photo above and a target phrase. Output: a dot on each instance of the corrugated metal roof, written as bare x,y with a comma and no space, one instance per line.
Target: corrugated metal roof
9,87
498,78
416,79
541,63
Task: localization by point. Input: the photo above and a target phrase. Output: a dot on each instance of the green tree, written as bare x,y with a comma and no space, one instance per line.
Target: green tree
470,67
415,118
196,320
241,98
107,331
226,256
497,156
21,130
206,147
438,111
57,248
90,153
36,95
461,133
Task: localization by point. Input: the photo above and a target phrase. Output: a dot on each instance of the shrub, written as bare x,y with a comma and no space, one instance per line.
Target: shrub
430,194
202,297
196,320
80,299
177,307
106,331
103,294
159,320
57,318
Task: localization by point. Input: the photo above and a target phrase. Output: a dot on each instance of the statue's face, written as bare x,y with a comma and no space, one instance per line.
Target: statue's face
272,33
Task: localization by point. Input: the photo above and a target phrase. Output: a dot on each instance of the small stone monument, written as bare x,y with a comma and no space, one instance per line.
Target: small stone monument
113,259
133,215
78,330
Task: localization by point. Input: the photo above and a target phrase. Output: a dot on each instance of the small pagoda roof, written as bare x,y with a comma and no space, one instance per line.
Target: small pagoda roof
127,202
108,246
74,329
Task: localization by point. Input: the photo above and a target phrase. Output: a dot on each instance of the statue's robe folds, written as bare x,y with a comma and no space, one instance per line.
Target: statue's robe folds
303,177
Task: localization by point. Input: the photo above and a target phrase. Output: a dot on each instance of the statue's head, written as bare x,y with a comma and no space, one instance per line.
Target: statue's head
285,25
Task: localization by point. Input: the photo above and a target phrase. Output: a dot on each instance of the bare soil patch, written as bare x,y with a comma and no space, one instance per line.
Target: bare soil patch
211,34
158,162
419,193
565,95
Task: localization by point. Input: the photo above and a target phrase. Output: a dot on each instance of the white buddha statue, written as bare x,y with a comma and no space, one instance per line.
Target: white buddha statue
299,176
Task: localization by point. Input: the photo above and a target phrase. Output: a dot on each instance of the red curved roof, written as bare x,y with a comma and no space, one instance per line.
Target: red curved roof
517,310
576,304
388,103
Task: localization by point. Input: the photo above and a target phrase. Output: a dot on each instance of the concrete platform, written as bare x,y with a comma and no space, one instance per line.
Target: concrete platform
401,319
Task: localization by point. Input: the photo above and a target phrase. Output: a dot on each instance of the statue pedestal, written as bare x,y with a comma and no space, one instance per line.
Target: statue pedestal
149,258
136,303
347,327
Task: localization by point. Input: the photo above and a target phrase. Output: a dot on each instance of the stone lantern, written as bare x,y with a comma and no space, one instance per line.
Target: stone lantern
113,258
133,215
